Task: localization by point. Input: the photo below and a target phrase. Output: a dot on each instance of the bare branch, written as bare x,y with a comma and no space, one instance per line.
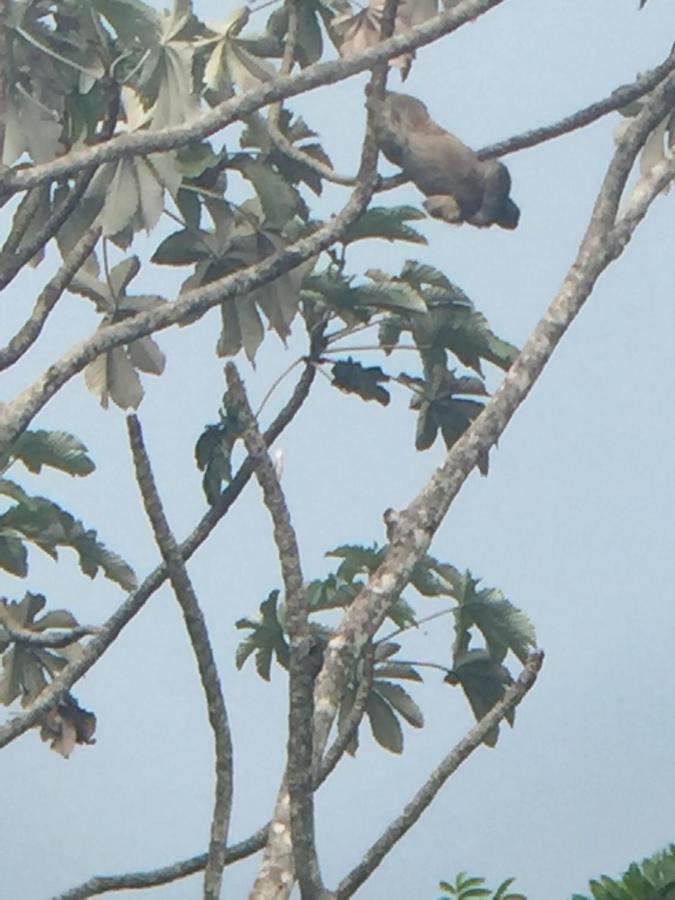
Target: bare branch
101,884
109,631
618,99
29,332
206,663
318,75
301,677
422,799
411,531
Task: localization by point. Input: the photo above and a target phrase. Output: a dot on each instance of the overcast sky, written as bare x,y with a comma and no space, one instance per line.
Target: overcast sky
574,524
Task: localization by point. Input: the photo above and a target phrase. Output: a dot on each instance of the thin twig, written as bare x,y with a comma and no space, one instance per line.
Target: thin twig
135,601
29,332
195,624
101,884
417,623
619,98
422,799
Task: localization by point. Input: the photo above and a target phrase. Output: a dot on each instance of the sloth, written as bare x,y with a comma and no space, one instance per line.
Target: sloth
459,186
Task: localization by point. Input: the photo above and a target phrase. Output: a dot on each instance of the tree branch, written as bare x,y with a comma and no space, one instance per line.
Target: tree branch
206,663
109,631
29,332
101,884
317,75
423,798
619,98
301,677
12,262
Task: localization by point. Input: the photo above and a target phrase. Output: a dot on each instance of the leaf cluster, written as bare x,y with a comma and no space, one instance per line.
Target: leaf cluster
28,666
479,614
466,887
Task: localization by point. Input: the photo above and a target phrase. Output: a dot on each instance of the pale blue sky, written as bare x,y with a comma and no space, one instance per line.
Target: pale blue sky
575,524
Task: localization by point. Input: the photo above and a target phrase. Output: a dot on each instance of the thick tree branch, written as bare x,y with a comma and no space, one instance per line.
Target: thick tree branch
411,530
317,75
423,798
301,676
29,332
618,99
109,631
195,624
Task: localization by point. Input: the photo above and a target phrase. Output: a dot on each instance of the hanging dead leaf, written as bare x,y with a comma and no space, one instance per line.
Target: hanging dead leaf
66,725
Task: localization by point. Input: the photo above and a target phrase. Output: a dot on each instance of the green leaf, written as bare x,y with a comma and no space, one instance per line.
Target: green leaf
194,159
356,559
384,725
267,639
400,700
353,378
182,248
398,670
13,555
503,625
280,201
309,46
48,526
483,682
55,449
330,593
388,223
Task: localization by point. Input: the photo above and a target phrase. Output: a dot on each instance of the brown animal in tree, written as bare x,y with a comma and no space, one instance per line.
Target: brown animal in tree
458,185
